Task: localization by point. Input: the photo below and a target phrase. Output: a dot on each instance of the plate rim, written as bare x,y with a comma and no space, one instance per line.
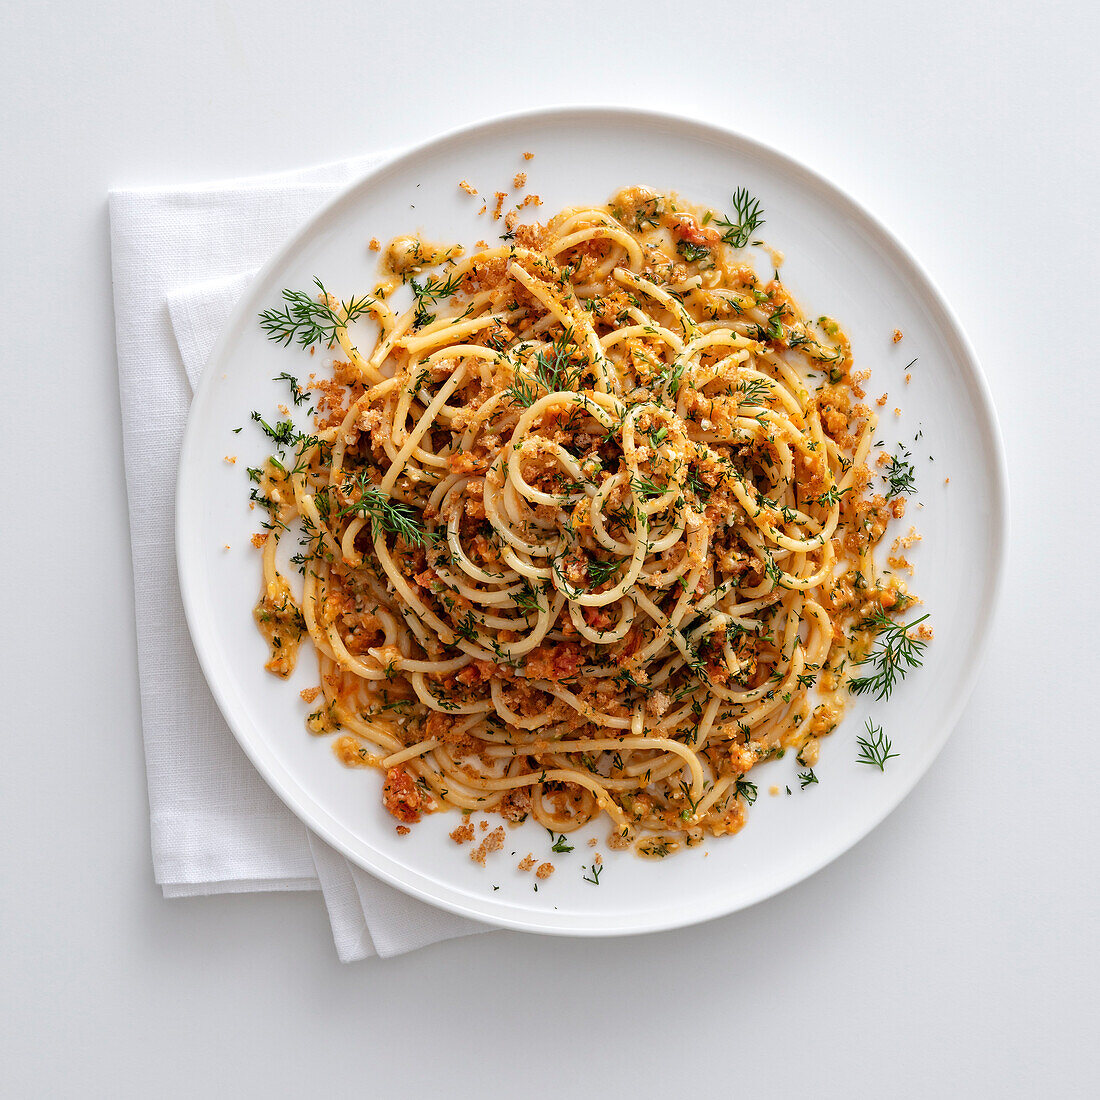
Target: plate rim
301,804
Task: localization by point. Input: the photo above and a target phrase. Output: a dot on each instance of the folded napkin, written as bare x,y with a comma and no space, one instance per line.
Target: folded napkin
180,259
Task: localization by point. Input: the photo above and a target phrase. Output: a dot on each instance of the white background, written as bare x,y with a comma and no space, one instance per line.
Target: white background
952,953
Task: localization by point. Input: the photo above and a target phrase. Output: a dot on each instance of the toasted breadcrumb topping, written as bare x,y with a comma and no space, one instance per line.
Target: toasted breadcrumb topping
492,843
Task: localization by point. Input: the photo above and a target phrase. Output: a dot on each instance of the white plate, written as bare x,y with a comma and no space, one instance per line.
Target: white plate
840,262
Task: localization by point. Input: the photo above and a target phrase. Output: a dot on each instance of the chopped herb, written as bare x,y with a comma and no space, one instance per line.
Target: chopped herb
295,390
282,434
431,290
774,328
308,320
832,495
753,391
748,212
693,253
746,790
559,844
599,572
900,474
894,655
594,871
386,515
874,749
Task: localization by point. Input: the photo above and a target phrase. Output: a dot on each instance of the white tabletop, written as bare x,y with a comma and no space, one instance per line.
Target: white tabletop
952,953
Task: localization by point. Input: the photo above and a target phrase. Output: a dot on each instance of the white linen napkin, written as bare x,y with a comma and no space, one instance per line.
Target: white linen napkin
180,259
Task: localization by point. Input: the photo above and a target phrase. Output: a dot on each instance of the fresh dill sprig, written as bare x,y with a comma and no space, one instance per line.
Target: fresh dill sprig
772,570
773,330
671,376
432,290
753,391
523,391
874,749
894,655
296,392
466,627
900,474
832,495
693,253
559,844
748,212
594,873
692,803
645,488
697,485
600,572
282,434
390,516
746,790
527,598
552,370
648,213
807,778
308,320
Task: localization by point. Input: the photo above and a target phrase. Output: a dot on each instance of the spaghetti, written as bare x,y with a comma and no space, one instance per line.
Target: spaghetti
582,533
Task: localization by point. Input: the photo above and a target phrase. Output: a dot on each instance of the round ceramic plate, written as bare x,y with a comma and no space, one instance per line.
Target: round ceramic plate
840,262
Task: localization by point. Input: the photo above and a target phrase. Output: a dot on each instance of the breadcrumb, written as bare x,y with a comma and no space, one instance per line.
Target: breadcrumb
528,156
492,843
545,870
897,335
231,459
468,187
463,833
526,863
520,180
500,197
309,694
375,246
403,830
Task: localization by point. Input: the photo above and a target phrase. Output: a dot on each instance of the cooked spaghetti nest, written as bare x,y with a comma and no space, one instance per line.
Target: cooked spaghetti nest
582,530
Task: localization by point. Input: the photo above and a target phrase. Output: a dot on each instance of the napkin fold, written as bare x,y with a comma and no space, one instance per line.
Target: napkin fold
180,259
